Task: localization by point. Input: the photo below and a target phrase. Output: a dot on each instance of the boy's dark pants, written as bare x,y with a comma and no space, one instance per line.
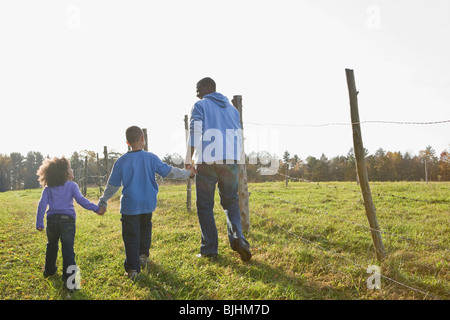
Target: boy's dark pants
137,237
60,227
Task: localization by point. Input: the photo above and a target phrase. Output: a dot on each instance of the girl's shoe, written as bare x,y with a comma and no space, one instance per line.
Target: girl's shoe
48,274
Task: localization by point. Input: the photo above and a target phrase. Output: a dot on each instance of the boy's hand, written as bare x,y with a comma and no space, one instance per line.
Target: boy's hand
40,229
101,211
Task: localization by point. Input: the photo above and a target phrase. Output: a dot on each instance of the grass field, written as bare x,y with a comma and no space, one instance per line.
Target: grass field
312,247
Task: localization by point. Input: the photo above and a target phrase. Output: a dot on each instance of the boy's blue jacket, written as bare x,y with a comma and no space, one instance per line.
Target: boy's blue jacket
135,171
215,129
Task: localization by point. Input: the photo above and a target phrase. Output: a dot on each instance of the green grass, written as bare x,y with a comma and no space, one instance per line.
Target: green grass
285,265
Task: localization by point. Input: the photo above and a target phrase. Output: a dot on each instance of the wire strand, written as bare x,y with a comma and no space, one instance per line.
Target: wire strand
348,123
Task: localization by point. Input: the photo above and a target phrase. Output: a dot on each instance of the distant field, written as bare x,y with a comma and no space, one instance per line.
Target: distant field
308,242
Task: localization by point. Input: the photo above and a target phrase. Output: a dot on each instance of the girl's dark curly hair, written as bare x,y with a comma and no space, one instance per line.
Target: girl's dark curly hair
53,172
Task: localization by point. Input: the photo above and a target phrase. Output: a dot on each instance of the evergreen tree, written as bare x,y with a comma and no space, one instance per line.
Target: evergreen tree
5,173
31,164
17,171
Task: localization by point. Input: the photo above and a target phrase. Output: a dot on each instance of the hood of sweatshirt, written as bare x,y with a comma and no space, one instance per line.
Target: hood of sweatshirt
218,99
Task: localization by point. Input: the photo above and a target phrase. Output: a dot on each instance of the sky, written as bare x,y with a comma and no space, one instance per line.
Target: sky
75,74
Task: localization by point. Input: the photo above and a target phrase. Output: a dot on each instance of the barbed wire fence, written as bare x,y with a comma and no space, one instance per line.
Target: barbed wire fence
349,123
103,178
335,253
321,248
350,222
85,175
365,191
380,231
380,194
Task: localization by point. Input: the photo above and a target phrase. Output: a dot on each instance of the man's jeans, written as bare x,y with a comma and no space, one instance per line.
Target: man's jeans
226,175
60,227
137,237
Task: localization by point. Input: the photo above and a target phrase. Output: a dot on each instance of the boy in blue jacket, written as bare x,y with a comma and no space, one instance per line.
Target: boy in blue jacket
135,172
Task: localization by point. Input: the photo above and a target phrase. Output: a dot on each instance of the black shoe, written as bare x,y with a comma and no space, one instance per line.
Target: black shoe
144,261
133,275
242,249
72,287
46,274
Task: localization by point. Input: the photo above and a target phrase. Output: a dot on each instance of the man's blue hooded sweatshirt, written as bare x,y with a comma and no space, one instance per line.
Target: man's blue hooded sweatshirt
215,129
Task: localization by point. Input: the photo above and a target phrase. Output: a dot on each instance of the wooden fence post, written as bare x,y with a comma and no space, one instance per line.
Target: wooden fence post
85,176
287,173
242,175
105,154
361,167
189,183
98,176
146,139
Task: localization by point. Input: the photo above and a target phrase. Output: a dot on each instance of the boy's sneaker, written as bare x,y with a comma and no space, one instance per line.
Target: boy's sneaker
210,256
70,287
132,275
144,260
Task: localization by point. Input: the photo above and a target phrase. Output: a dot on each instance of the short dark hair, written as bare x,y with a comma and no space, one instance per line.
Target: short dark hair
53,172
133,134
207,82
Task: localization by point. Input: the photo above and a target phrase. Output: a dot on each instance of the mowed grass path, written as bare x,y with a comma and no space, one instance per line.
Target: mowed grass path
307,243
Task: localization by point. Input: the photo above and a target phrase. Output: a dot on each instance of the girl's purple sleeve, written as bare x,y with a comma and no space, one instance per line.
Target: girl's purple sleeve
42,206
82,201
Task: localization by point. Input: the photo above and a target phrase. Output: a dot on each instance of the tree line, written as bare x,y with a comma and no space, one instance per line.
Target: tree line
18,172
381,166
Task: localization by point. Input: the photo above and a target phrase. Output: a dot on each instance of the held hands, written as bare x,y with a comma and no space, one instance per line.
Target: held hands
191,168
101,211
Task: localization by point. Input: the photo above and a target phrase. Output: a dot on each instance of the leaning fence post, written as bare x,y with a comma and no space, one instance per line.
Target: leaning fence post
242,175
189,183
361,167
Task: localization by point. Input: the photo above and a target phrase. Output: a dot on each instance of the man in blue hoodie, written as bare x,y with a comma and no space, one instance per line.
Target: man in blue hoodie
215,135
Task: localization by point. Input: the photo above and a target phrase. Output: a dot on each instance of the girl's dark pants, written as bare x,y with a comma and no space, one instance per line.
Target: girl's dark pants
60,227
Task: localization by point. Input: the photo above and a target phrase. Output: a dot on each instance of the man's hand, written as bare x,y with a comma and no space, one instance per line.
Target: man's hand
188,159
193,171
189,166
40,229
